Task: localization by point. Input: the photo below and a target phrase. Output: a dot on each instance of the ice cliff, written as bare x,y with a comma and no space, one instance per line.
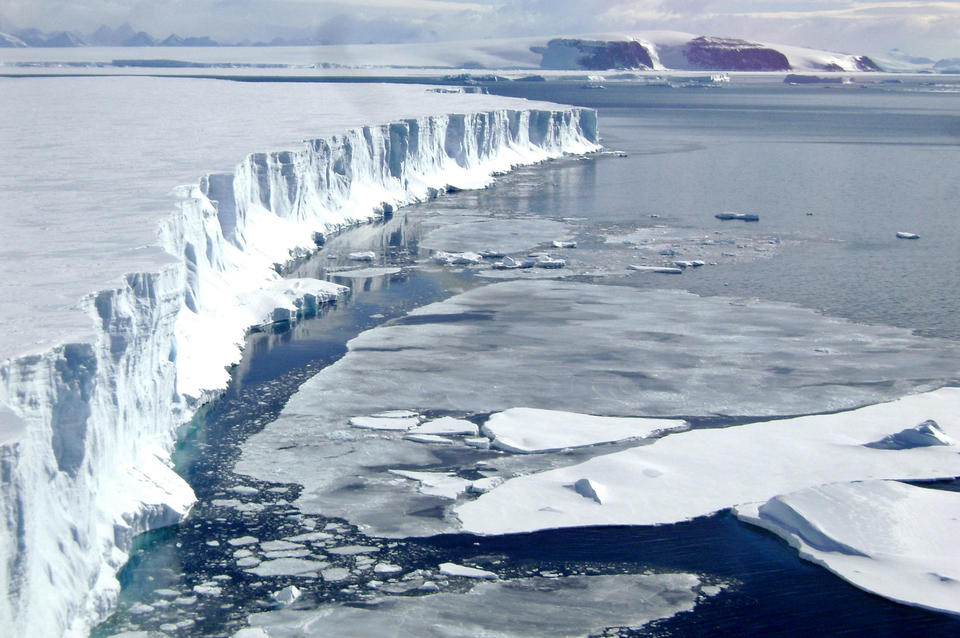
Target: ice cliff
86,427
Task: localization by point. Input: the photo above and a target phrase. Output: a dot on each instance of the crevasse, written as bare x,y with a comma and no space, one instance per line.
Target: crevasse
85,465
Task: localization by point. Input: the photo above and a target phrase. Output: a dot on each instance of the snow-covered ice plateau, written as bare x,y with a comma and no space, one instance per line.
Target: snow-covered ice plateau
148,236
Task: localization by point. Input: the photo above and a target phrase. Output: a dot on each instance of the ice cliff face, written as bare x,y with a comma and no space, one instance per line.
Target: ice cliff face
86,428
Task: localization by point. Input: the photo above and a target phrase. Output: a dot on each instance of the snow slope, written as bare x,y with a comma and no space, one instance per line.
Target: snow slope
124,295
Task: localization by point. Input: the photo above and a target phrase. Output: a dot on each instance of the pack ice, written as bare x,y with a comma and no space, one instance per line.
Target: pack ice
150,218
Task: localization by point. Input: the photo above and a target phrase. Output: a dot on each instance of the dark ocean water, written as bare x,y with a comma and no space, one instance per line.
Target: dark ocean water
866,162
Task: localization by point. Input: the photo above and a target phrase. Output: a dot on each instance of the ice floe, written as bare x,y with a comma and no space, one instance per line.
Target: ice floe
465,571
905,235
447,425
892,539
563,607
529,430
694,473
362,255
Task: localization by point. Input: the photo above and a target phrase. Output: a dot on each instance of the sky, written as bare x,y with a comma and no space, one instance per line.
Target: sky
917,27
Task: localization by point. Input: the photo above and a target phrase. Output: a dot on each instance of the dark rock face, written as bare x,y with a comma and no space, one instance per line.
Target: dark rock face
594,55
722,54
866,64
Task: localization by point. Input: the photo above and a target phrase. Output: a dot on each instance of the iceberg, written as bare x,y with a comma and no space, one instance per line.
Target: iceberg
136,293
888,538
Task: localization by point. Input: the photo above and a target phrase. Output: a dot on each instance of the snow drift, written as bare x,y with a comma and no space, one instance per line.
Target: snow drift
86,427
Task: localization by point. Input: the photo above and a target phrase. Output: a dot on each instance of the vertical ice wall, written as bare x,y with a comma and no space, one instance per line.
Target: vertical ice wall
86,428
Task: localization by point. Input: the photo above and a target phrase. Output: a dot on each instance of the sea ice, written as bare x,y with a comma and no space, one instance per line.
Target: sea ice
463,571
493,237
565,607
610,350
892,539
436,483
698,472
286,595
365,255
301,567
447,426
384,423
528,430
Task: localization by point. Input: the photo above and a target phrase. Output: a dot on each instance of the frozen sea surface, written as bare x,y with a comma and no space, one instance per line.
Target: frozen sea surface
555,608
646,353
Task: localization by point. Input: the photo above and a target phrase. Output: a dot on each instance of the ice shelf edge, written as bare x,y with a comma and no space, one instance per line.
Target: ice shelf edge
86,429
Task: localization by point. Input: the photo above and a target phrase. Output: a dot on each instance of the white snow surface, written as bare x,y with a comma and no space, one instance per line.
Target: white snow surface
528,430
892,539
689,474
149,215
548,607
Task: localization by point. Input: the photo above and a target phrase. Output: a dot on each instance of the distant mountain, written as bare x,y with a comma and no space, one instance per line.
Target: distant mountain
11,41
139,39
680,51
105,36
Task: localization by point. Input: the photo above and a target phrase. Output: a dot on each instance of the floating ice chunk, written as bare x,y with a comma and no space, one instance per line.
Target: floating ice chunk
248,561
244,490
207,590
467,258
905,235
546,261
698,472
363,273
353,550
528,430
564,244
335,574
889,538
453,569
287,553
922,435
286,595
277,546
251,632
386,568
428,438
492,254
689,263
664,270
310,537
548,608
383,423
436,483
302,567
480,442
447,425
744,217
364,255
243,540
396,414
590,489
509,263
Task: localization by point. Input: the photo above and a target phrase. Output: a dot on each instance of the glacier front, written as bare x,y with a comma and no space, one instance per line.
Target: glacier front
141,239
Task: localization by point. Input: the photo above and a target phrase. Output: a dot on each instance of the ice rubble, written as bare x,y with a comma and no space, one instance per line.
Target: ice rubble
694,473
892,539
98,367
552,608
647,352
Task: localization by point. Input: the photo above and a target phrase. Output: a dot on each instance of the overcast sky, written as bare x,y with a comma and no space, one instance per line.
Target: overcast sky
872,27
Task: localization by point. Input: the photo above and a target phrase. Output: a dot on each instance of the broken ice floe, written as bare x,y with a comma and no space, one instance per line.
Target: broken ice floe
529,430
384,422
905,235
889,538
664,270
563,244
463,571
457,259
564,607
694,473
286,595
448,426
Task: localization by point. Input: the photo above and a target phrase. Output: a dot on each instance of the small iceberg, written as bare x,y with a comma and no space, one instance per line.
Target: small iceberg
905,235
457,259
744,217
664,270
693,263
546,261
564,244
365,255
923,435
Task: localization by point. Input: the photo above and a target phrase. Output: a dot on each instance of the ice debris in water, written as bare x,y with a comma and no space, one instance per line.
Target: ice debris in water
664,270
447,425
905,235
384,423
286,595
744,217
364,255
453,569
922,435
467,258
564,244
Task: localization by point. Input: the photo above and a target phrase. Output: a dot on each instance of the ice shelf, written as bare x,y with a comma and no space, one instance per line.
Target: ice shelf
141,239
